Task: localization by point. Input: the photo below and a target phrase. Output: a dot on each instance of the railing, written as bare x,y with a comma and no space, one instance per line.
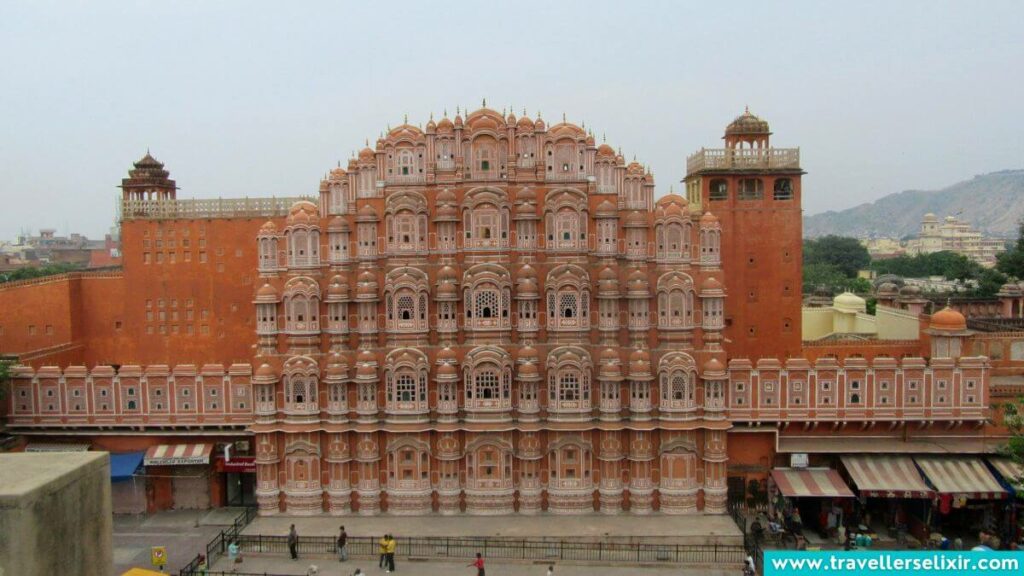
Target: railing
490,548
725,158
208,208
217,547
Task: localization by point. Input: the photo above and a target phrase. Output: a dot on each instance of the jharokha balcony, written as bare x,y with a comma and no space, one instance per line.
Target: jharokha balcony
743,158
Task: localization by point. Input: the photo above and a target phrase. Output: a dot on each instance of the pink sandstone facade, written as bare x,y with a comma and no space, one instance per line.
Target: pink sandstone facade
487,316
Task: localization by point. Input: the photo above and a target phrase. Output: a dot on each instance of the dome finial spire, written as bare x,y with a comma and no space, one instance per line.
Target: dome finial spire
405,118
484,103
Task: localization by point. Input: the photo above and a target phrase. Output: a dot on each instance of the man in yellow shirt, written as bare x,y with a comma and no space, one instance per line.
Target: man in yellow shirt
382,548
391,552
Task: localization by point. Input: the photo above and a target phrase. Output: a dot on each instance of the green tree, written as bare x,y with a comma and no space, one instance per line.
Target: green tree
1011,262
844,253
5,374
38,272
1013,417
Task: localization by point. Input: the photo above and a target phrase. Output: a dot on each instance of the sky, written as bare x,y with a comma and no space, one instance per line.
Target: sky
251,98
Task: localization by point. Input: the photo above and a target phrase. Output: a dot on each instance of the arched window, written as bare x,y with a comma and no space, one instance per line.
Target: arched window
488,380
718,190
674,240
751,189
675,301
406,164
569,385
677,378
488,298
300,385
783,189
302,305
406,300
568,298
267,253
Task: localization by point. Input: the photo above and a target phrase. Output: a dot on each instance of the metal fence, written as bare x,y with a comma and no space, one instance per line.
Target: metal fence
507,548
217,547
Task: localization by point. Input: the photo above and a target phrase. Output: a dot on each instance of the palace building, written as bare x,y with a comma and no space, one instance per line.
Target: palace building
487,315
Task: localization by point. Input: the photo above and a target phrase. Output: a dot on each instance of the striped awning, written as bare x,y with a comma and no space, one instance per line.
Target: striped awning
1012,472
968,477
887,477
814,482
178,454
57,447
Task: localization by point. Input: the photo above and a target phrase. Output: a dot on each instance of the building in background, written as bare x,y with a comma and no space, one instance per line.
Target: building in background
955,236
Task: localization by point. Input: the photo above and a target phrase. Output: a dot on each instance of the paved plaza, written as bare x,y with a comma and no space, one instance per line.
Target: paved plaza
184,533
658,528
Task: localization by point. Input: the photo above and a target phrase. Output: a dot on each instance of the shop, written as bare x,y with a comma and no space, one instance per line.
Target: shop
179,476
969,498
239,479
893,498
1012,476
805,498
127,486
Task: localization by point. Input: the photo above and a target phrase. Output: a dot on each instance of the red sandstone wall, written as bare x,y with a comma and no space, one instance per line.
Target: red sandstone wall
36,314
762,258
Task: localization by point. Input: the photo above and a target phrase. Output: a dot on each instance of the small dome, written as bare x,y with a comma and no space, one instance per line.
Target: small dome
303,212
447,289
888,289
366,371
528,353
711,284
266,371
747,123
526,195
446,195
445,125
948,320
849,302
338,286
609,355
268,229
266,292
337,367
713,367
608,273
910,290
367,214
930,217
538,125
446,354
636,219
366,155
367,357
529,369
635,167
605,150
337,173
639,355
526,286
525,123
607,208
526,271
446,273
338,224
708,219
447,370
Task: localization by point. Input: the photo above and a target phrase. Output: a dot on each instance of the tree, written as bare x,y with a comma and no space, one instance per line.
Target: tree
1011,262
5,374
1013,417
39,271
846,254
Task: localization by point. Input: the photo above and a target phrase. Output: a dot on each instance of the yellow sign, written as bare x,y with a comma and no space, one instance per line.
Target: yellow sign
158,555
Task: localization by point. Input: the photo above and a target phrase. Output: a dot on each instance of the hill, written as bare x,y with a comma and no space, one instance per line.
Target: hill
992,203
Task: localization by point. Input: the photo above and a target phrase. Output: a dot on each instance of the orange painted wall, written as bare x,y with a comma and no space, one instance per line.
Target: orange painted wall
36,314
762,256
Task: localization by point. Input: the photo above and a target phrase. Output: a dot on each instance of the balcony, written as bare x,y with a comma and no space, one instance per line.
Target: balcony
195,209
405,179
743,159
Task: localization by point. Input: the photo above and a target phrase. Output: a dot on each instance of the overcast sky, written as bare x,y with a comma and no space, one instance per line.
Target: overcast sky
257,99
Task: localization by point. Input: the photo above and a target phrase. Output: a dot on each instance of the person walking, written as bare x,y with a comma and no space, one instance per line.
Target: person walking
293,543
478,564
391,553
358,572
551,570
382,547
342,542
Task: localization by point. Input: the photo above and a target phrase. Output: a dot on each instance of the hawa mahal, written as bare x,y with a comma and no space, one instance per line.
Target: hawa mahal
487,315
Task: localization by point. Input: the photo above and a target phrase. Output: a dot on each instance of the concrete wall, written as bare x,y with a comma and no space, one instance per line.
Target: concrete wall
55,514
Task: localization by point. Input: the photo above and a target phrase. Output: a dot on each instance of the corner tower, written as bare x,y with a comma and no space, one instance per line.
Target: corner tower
754,191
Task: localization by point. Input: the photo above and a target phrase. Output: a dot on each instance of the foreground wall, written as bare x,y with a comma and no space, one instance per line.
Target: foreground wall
55,514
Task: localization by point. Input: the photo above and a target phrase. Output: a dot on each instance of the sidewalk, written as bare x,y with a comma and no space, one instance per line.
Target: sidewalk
184,533
689,529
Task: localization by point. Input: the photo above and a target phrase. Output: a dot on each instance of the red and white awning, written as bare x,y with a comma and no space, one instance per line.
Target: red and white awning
813,482
178,454
967,477
887,477
1012,472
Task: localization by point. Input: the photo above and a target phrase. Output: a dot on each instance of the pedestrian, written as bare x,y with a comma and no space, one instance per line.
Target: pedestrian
234,553
551,570
293,543
201,567
358,572
382,546
342,542
391,553
478,564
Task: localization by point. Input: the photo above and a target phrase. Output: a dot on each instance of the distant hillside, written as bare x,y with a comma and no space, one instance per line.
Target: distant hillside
992,203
